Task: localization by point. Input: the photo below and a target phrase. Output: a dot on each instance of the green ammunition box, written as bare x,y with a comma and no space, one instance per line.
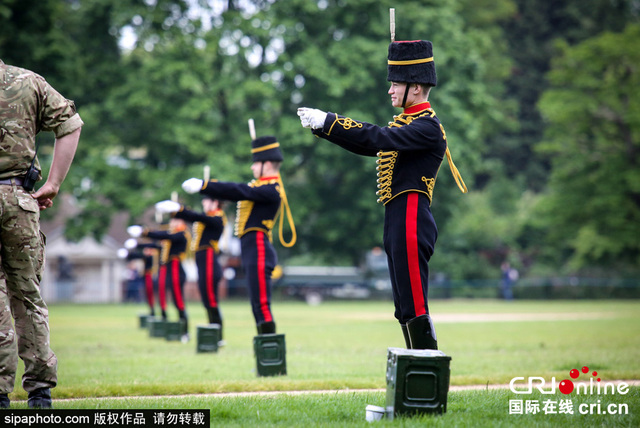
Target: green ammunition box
270,352
156,327
417,381
144,320
174,330
207,337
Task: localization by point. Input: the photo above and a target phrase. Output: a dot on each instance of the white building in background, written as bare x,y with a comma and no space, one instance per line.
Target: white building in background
94,272
82,272
97,274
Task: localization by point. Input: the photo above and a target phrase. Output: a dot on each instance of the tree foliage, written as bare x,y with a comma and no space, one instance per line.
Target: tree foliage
593,139
166,87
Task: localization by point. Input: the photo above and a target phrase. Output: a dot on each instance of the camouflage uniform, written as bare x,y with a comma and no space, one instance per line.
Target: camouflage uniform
28,105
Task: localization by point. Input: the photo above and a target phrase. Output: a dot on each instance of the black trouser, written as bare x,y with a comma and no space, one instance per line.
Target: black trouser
410,234
209,276
175,278
259,259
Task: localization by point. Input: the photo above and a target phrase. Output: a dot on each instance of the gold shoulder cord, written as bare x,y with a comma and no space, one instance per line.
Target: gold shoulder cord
284,205
454,171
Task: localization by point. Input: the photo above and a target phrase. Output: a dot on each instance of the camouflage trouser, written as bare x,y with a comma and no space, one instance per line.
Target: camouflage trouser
21,266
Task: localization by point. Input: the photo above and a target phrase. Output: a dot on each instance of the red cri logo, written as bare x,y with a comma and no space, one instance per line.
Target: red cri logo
566,386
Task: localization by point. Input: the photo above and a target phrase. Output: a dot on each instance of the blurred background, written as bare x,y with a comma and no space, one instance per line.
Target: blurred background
539,101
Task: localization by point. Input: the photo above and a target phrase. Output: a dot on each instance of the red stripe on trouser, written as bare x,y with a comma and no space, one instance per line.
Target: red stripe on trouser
262,278
412,254
162,285
175,279
148,284
209,283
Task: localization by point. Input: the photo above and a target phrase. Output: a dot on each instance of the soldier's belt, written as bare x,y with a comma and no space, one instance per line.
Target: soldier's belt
9,181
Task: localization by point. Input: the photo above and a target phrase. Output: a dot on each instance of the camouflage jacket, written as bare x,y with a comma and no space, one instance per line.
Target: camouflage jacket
28,105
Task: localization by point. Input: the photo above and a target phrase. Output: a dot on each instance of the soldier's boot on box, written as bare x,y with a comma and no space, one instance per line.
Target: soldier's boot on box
40,399
4,401
216,318
267,328
184,326
421,333
405,333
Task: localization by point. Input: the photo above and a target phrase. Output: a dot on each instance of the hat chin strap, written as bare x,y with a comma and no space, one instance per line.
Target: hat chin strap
406,93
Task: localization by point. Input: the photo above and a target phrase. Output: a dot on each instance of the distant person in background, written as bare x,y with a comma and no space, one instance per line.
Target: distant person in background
65,279
508,277
28,105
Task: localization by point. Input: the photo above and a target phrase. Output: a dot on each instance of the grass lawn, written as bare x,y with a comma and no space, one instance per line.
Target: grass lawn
342,346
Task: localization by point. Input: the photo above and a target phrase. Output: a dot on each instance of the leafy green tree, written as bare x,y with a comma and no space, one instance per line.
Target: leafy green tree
531,34
592,205
181,97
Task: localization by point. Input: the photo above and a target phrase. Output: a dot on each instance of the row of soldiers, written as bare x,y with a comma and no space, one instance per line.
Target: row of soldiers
259,204
409,154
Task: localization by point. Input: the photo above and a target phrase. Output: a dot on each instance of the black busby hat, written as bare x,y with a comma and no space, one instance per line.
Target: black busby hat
266,149
411,62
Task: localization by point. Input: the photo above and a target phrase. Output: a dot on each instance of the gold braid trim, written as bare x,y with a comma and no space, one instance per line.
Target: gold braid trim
386,162
197,229
243,210
431,183
165,246
346,123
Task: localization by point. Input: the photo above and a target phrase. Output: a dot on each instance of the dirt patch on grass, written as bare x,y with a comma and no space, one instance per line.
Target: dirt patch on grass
489,317
519,317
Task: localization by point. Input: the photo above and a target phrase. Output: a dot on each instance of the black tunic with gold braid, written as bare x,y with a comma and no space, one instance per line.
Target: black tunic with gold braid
206,231
258,205
410,151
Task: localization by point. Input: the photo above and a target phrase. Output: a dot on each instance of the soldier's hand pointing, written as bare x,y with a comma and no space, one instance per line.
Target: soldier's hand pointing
311,117
192,185
165,207
135,231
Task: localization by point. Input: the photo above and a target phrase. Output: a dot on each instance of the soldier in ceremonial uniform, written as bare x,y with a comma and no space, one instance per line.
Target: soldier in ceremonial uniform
148,252
28,105
174,243
259,203
206,231
410,151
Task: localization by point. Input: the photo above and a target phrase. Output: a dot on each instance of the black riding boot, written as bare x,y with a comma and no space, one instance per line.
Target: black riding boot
422,333
215,318
266,327
405,333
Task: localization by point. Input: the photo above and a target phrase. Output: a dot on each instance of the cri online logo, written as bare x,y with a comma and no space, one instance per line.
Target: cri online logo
567,386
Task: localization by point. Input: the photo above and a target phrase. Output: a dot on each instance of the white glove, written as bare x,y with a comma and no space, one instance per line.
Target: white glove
192,185
130,244
134,231
122,253
166,207
311,117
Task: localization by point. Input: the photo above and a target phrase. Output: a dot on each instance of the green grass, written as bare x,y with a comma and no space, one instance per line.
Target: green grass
484,408
342,345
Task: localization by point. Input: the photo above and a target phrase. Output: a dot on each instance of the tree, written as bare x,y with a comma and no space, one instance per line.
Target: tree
592,205
181,97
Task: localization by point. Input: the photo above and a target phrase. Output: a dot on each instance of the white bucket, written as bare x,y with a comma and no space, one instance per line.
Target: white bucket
374,413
